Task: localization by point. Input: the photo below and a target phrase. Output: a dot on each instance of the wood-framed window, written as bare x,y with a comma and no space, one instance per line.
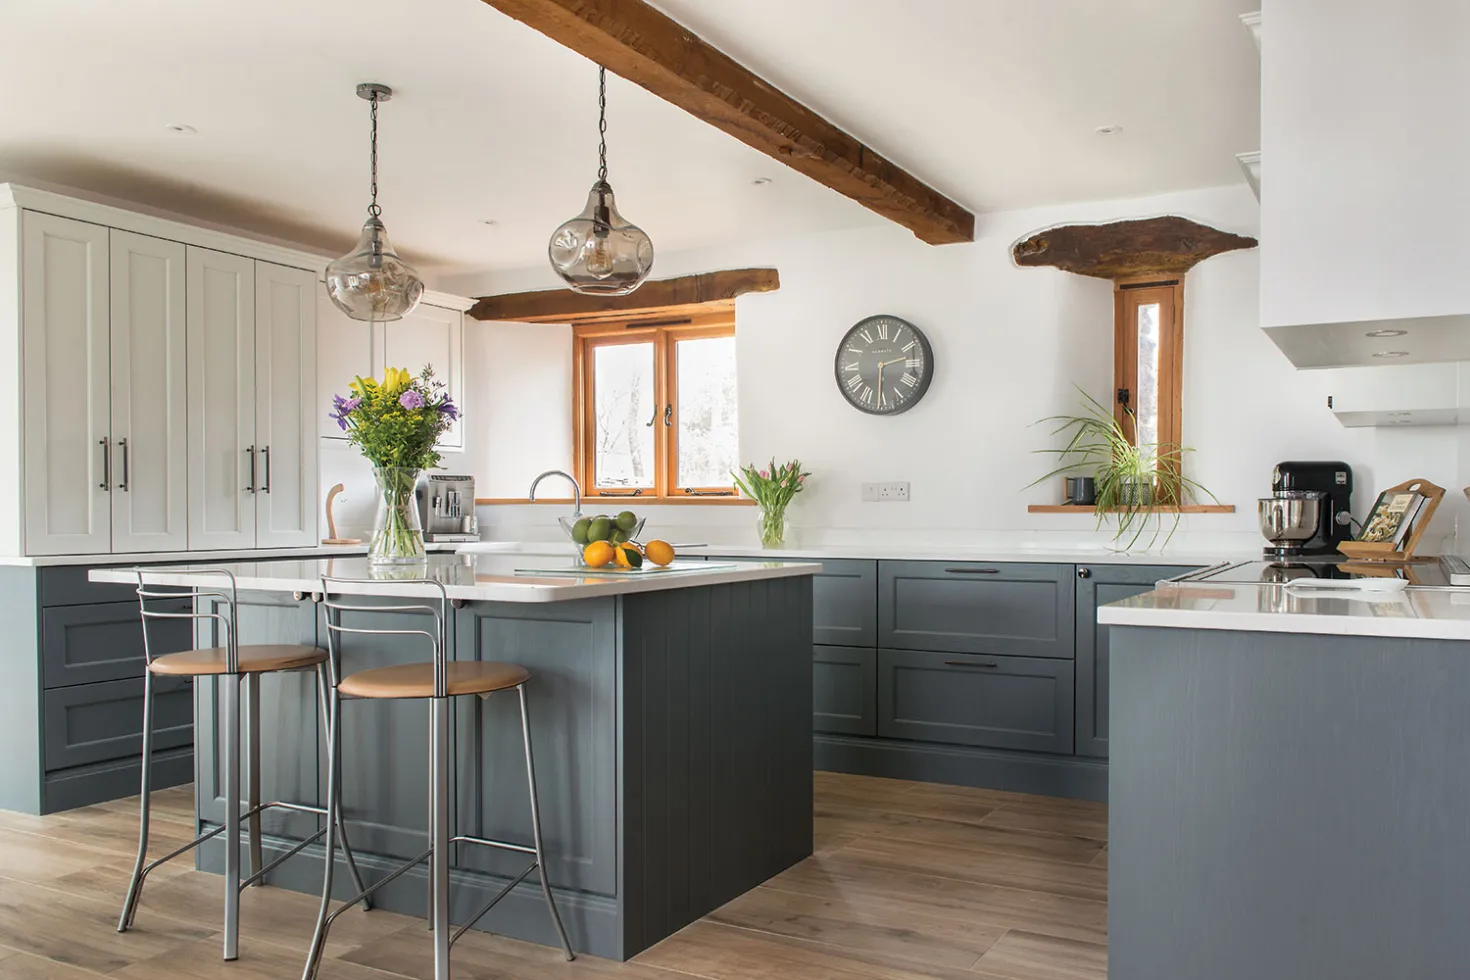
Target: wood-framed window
655,411
1148,351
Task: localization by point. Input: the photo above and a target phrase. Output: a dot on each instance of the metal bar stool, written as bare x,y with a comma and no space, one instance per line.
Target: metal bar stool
437,680
233,665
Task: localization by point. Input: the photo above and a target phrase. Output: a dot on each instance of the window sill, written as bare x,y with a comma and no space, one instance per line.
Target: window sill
643,499
1160,509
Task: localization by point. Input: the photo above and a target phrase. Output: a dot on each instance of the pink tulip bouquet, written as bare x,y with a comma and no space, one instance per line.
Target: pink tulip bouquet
772,487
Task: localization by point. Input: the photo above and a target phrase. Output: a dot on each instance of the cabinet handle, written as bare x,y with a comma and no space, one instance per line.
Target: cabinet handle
251,487
971,663
1084,573
972,571
267,453
106,445
123,483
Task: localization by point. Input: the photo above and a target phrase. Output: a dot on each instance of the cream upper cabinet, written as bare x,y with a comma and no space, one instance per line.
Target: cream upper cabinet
344,351
285,406
150,446
65,353
429,336
224,466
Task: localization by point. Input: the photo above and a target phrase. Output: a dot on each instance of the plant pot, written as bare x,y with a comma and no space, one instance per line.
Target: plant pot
1138,493
398,537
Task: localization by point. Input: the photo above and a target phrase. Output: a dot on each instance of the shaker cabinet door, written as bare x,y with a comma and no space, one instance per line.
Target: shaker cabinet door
150,445
64,316
285,406
223,458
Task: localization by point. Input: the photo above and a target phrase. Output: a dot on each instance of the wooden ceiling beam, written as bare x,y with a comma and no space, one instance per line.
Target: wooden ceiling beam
661,295
636,42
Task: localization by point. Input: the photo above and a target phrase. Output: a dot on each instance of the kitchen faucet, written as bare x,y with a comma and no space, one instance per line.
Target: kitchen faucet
576,489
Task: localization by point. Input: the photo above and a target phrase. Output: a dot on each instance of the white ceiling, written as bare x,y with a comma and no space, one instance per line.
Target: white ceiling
992,101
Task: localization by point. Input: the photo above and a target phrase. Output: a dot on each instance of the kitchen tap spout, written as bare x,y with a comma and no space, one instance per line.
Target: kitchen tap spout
576,488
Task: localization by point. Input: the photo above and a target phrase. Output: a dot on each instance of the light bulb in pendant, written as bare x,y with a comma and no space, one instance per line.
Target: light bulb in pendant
599,251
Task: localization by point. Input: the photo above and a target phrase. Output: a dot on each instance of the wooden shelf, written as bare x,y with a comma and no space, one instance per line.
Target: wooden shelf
1161,509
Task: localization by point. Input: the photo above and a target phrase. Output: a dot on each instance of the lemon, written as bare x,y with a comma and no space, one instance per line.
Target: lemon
659,552
597,554
628,555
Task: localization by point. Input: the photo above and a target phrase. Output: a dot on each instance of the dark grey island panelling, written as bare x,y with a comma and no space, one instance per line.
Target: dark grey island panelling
1288,807
672,732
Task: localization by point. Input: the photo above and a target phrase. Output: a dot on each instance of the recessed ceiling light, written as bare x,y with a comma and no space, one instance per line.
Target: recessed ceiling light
1112,129
1392,353
761,181
1385,333
184,128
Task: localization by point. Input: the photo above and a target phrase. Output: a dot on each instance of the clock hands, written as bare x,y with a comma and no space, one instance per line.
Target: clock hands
881,366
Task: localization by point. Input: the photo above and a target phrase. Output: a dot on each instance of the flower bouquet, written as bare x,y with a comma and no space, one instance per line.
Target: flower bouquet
395,423
772,488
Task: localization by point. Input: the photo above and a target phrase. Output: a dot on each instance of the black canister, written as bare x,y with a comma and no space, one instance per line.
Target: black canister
1081,490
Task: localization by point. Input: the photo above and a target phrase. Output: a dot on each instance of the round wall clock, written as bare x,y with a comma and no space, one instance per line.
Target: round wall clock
884,365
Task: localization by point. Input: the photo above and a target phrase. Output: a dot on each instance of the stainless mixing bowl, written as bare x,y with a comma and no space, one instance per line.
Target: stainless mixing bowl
1289,520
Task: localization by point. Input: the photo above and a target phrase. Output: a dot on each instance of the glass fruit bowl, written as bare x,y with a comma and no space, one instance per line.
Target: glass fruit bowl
583,529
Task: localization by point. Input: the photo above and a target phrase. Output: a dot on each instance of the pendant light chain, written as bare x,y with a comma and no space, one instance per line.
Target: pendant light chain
373,208
601,123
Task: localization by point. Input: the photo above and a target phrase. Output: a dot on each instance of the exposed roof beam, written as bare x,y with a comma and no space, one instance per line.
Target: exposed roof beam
563,305
638,43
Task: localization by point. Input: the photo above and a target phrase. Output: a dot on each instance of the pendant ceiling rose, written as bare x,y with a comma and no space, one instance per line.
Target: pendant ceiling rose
599,252
371,282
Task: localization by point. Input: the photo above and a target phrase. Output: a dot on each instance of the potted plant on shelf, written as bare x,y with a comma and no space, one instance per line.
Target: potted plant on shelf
395,423
772,488
1135,484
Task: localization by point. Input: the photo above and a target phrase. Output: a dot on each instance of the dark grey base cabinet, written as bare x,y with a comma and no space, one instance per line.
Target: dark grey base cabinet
1020,703
990,674
71,710
1098,585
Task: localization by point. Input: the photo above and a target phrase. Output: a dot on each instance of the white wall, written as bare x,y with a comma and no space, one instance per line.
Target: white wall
1009,345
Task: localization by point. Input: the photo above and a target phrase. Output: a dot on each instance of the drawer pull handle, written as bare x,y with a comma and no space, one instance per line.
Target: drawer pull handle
972,571
971,663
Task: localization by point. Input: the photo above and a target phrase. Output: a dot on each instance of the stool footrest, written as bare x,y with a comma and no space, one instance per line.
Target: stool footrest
332,917
492,903
485,842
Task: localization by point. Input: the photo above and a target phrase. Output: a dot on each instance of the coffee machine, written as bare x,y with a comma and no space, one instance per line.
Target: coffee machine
446,503
1309,510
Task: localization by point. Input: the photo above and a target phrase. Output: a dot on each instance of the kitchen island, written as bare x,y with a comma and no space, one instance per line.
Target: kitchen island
1289,784
671,715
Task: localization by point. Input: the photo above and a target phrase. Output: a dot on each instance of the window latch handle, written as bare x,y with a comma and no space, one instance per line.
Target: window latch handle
1123,394
669,414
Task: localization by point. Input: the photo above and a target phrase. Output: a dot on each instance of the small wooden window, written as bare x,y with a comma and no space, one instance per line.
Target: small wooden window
656,412
1148,350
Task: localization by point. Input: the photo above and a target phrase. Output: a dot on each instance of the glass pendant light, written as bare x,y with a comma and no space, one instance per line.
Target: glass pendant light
371,282
599,251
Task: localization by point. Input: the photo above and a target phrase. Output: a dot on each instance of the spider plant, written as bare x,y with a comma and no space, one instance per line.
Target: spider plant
1130,479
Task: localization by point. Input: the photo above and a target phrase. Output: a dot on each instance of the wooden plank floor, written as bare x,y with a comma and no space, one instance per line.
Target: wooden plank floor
911,881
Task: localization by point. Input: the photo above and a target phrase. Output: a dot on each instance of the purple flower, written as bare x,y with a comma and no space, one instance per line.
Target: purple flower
344,407
448,408
411,399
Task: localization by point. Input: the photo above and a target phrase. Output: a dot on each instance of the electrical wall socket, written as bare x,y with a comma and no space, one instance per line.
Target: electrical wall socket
883,493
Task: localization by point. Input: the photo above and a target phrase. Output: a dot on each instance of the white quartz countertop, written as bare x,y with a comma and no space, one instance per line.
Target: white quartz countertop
471,577
1432,614
924,552
200,557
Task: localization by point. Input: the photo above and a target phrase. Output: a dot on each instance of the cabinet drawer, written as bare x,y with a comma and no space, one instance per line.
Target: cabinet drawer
845,690
1016,609
67,585
98,722
104,642
999,702
845,603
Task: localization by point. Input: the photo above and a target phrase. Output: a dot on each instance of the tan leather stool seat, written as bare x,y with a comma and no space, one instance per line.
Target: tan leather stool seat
254,659
417,680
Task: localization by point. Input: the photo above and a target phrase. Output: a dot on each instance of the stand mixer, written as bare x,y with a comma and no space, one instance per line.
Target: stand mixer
1309,510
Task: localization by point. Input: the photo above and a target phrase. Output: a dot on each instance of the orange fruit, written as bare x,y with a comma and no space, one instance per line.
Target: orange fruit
597,554
659,552
628,555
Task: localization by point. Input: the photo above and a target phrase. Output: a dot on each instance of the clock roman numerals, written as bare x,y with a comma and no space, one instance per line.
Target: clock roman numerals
883,365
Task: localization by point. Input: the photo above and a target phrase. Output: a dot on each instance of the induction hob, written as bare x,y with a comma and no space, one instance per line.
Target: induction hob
1439,573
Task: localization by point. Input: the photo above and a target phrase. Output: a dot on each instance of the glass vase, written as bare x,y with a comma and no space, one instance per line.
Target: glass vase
772,527
398,537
